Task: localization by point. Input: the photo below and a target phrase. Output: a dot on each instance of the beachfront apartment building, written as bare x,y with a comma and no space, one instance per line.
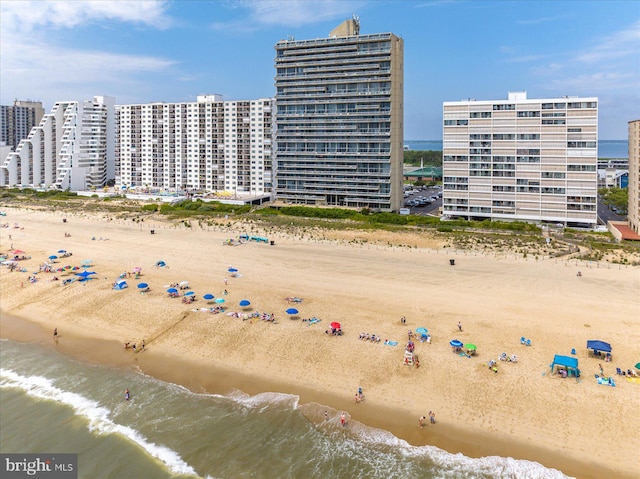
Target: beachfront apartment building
521,159
633,210
208,145
72,147
339,120
17,120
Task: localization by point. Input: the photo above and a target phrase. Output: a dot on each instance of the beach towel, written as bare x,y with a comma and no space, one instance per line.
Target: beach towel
391,343
606,382
313,321
633,380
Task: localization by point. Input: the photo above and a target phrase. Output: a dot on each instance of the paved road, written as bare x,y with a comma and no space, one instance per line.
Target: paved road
605,214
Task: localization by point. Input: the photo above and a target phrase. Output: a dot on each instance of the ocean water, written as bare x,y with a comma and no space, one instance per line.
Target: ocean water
606,148
54,404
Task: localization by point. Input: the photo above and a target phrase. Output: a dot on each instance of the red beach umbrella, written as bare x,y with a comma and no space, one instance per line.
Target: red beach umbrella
335,325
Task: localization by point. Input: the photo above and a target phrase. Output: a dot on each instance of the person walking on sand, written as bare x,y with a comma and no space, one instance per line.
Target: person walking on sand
459,326
432,417
55,334
421,421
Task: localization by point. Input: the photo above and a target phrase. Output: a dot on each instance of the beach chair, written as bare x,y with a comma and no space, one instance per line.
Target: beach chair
619,372
573,351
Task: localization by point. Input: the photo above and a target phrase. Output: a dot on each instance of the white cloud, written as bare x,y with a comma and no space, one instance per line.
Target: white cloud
623,43
261,13
25,16
36,63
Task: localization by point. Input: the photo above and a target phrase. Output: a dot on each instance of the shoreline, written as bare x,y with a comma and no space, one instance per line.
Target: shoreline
211,379
521,412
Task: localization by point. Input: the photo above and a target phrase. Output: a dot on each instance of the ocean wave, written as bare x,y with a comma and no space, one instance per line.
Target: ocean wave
265,400
385,447
97,416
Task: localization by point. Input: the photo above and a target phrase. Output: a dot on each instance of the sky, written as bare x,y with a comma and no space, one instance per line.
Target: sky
172,51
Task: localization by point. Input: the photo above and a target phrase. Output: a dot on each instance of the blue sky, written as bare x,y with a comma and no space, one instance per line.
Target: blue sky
142,51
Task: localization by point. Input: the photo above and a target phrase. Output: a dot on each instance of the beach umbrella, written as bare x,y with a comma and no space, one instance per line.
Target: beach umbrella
137,269
455,343
75,268
143,285
18,251
208,296
335,325
172,290
85,274
190,293
470,347
232,270
62,251
219,300
637,365
53,256
245,302
421,331
160,264
292,311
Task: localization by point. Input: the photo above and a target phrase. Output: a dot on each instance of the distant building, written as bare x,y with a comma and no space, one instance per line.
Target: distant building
17,120
521,159
72,147
339,119
633,210
207,145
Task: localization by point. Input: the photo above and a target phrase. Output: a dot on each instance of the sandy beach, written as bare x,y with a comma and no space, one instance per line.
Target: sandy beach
578,426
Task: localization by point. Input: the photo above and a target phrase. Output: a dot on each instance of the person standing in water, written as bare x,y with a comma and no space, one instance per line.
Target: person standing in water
126,394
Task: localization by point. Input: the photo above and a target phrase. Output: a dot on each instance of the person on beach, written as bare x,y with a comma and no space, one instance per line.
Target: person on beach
357,399
226,281
421,421
126,394
459,326
143,345
432,417
55,335
403,320
343,420
134,347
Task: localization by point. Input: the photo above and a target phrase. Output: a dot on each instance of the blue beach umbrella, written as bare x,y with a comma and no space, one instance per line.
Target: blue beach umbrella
85,274
143,285
62,251
219,300
53,256
172,290
232,270
292,311
208,296
422,331
245,302
189,293
455,343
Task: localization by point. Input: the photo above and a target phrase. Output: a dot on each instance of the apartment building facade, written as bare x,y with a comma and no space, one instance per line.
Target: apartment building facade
633,211
72,147
521,159
17,120
339,120
206,145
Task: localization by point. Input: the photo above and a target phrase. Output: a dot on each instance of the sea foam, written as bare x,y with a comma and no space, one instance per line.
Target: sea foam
96,415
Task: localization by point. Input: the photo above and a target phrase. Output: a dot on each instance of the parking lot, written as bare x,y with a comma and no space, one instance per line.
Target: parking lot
423,201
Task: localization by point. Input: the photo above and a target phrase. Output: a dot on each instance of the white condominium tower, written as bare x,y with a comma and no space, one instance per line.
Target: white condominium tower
521,159
71,148
339,120
206,145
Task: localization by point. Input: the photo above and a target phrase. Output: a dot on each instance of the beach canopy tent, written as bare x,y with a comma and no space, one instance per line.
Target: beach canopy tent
566,362
160,264
597,347
120,285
